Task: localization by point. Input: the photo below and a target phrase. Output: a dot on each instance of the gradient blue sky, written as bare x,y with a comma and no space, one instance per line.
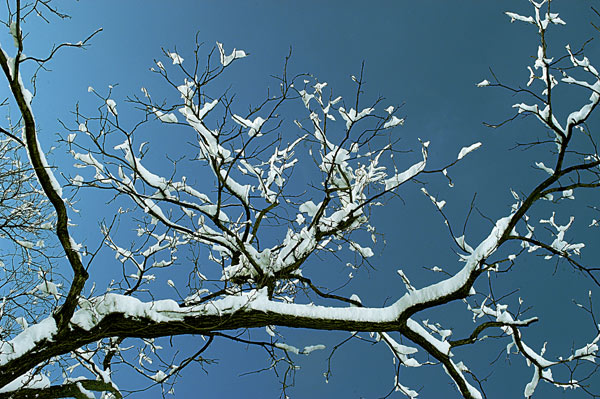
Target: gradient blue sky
426,54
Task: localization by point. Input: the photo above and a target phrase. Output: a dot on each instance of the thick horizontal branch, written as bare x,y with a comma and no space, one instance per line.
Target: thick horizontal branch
69,390
124,326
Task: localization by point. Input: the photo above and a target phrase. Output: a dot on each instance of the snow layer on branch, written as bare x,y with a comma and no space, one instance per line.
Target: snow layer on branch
240,191
13,32
588,352
543,167
95,309
559,242
309,208
287,348
312,348
441,346
395,121
351,116
48,288
365,252
406,391
209,145
167,118
530,387
27,380
177,59
55,184
228,59
27,340
206,108
112,106
254,126
411,172
472,390
307,349
136,164
516,17
465,150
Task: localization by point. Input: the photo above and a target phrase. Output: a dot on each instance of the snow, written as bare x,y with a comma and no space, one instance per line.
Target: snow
13,32
208,140
589,351
516,17
206,108
228,59
54,183
27,380
539,359
365,252
395,181
463,244
577,117
77,180
465,150
160,376
483,83
25,244
88,394
27,95
530,387
27,340
89,160
306,97
559,242
395,121
543,167
167,118
406,391
149,177
399,348
94,310
177,60
351,116
48,288
526,108
240,191
254,125
568,194
112,106
287,348
311,348
309,208
441,346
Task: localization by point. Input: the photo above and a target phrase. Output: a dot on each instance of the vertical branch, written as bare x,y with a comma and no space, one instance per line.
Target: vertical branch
49,185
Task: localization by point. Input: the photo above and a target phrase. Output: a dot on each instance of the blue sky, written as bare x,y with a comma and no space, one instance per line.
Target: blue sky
427,55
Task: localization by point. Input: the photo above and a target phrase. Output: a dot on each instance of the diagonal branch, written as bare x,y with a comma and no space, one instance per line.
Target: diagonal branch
49,186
